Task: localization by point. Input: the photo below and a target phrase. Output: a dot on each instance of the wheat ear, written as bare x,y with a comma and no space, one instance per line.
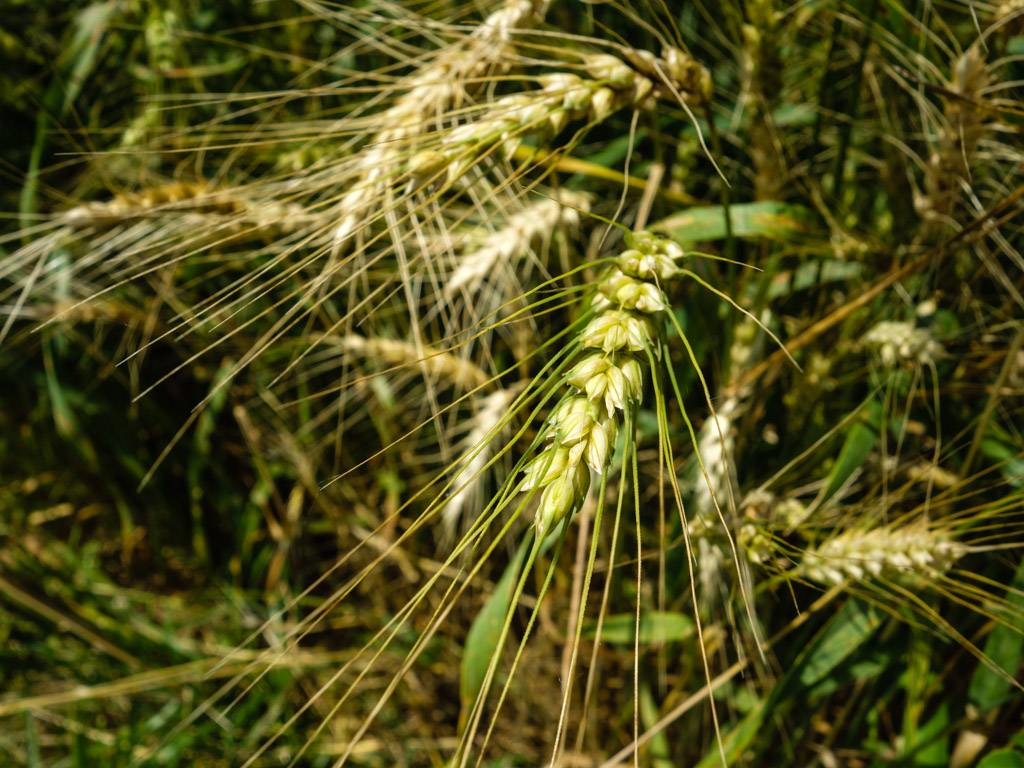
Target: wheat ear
517,236
430,91
240,214
949,166
437,364
884,552
606,385
1009,15
898,342
610,85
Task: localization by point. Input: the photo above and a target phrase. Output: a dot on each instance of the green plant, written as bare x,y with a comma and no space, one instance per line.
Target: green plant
512,383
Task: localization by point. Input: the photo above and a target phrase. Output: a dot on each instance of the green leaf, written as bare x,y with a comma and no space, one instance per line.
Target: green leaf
811,275
736,740
998,446
485,632
655,627
794,116
777,221
930,745
845,633
1002,758
612,153
80,55
1005,647
860,442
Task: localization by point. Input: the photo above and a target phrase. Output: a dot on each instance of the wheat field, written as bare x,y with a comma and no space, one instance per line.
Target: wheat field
505,383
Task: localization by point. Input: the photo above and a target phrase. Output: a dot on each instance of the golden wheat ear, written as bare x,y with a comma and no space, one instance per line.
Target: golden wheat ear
86,254
903,547
430,93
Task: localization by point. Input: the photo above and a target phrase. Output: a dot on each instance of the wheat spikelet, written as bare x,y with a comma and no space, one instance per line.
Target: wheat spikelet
928,473
121,210
134,205
714,488
38,266
949,166
714,478
715,444
184,199
70,312
133,234
437,364
517,236
1009,15
756,508
884,552
715,482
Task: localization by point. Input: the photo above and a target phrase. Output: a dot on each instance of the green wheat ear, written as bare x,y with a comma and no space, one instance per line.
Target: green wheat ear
605,386
601,391
601,365
618,343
